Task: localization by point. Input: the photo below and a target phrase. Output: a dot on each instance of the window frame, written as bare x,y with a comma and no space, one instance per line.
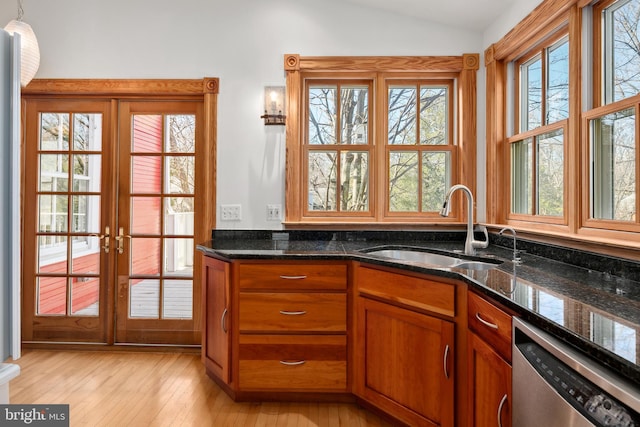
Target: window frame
460,69
617,238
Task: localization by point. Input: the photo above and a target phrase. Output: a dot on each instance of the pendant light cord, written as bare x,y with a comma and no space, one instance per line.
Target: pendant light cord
20,10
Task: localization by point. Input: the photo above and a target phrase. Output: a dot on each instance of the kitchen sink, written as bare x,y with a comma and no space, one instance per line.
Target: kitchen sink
434,259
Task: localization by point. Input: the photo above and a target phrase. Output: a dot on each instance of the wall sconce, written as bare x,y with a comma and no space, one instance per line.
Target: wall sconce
274,105
29,50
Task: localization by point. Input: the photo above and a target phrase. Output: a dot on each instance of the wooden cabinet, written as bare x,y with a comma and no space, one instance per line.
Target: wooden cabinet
404,355
216,336
276,327
489,364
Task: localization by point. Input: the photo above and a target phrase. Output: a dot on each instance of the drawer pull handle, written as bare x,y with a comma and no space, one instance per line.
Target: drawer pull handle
223,320
485,323
444,361
293,313
293,277
502,402
296,363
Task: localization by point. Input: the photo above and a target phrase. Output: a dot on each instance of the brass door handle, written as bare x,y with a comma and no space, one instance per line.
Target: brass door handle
120,239
104,237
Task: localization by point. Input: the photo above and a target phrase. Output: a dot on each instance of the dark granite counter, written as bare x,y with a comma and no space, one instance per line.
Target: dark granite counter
598,312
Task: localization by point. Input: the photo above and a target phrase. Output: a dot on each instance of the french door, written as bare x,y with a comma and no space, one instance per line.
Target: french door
109,233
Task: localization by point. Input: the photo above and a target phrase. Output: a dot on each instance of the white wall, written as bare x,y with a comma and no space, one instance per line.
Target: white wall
242,42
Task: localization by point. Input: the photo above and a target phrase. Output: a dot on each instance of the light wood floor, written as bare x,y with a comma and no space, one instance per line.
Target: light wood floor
157,389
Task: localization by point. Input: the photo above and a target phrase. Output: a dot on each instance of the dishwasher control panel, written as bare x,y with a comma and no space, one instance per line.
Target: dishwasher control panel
590,400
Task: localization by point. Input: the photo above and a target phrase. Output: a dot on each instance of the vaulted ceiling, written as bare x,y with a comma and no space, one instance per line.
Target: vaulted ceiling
474,15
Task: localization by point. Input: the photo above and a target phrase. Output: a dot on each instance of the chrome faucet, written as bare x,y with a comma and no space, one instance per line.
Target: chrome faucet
470,244
516,259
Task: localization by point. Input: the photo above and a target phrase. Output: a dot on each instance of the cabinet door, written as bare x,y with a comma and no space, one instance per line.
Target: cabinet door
406,363
215,333
490,386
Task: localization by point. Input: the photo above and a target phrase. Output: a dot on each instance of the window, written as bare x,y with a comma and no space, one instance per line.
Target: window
537,150
376,145
620,21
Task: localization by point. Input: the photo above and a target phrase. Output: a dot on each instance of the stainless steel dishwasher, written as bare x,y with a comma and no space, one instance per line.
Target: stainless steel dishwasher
556,386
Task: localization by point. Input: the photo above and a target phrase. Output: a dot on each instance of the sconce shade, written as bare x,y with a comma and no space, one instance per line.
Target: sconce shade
29,50
274,105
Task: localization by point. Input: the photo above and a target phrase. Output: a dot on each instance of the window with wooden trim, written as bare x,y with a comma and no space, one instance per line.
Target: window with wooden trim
377,142
537,148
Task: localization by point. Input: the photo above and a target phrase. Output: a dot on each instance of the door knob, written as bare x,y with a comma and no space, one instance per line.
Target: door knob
104,237
120,239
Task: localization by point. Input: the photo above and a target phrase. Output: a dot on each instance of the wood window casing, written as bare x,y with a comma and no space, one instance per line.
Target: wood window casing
578,232
462,69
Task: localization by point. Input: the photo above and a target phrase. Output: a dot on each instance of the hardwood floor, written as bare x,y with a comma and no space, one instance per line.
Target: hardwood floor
157,389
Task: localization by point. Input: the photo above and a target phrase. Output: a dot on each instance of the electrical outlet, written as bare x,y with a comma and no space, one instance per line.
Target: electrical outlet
230,212
274,212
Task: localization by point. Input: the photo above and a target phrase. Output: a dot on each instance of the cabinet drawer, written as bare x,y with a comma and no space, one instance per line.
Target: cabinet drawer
292,312
490,323
293,362
293,276
421,293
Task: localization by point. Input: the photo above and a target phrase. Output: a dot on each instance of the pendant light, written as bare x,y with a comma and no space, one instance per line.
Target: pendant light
29,50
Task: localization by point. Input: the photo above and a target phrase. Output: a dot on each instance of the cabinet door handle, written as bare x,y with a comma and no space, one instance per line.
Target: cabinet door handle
502,402
485,323
296,363
223,321
444,361
293,277
293,313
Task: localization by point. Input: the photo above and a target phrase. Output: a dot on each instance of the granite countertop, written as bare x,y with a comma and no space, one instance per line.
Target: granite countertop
596,312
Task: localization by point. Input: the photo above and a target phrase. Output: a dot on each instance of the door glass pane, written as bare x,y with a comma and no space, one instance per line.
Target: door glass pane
52,254
145,174
180,177
145,256
434,113
178,257
402,115
182,134
354,178
86,172
145,215
86,214
403,181
178,215
322,115
613,182
85,255
322,181
354,111
85,296
147,134
54,131
436,173
522,176
144,298
87,132
550,174
54,172
177,299
51,296
52,213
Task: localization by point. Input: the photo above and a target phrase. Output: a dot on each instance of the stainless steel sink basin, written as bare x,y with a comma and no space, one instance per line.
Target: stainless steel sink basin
433,259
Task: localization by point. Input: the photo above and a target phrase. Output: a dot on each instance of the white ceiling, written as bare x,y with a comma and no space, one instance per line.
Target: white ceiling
474,15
